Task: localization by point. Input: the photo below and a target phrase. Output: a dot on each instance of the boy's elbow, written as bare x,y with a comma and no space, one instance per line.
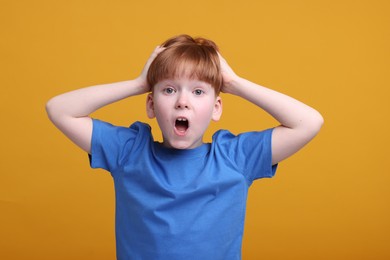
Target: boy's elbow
51,108
316,124
320,120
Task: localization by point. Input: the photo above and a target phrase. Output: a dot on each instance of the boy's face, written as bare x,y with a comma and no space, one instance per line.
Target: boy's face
183,108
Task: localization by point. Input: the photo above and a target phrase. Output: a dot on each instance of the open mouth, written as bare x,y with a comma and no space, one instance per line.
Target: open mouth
181,124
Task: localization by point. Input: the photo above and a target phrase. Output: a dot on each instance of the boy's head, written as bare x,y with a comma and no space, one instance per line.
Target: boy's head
184,56
185,79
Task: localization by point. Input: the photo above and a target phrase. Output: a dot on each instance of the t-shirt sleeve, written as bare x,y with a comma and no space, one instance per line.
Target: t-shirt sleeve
110,145
250,153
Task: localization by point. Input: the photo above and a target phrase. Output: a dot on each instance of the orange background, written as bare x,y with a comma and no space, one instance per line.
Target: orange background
330,201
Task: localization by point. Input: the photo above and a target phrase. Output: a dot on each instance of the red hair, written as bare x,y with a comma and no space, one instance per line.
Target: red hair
187,56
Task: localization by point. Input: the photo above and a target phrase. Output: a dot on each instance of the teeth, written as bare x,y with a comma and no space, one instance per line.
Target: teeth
182,119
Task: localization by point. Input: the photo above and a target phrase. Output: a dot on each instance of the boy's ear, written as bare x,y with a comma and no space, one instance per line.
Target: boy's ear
217,112
150,106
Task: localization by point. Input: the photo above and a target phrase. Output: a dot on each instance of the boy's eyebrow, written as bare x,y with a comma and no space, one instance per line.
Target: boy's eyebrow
196,82
167,81
164,82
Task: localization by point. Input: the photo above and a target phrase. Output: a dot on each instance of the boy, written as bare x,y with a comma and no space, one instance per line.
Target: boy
183,198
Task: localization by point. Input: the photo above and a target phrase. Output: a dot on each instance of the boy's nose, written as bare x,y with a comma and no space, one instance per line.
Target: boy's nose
182,101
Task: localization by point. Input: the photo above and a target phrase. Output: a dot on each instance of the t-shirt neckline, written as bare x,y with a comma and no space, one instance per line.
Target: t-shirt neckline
161,151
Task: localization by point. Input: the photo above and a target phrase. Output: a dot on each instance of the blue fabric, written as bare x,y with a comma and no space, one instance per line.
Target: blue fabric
180,204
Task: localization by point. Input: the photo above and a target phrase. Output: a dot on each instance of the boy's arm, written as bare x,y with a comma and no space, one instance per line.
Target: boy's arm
299,122
70,112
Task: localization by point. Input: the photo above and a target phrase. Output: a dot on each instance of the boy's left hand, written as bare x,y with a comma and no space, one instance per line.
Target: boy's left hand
228,75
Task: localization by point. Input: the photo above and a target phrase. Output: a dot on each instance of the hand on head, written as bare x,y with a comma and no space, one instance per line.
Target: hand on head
143,77
228,75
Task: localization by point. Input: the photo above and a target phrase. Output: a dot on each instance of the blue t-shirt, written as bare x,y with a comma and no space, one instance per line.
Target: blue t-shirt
180,204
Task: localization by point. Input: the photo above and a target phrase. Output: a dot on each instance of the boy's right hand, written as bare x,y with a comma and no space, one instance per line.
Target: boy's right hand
142,79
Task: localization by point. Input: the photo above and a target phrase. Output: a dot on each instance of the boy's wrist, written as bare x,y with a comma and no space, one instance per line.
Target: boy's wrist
141,85
233,85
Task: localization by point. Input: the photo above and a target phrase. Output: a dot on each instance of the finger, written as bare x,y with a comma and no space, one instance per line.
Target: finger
159,49
220,56
154,54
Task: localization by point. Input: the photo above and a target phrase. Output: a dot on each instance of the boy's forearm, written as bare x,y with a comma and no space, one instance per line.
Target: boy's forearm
288,111
82,102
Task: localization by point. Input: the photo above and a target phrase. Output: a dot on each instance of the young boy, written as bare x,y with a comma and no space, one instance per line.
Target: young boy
183,198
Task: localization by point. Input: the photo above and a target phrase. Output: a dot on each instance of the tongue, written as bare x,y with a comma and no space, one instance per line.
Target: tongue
181,126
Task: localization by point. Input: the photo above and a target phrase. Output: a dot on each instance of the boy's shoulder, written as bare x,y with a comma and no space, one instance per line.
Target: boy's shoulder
224,135
135,126
109,134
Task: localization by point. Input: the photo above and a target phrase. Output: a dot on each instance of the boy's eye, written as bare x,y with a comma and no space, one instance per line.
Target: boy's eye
169,90
198,92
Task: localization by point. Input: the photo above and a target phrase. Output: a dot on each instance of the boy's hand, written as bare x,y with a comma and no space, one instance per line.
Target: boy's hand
142,79
228,75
